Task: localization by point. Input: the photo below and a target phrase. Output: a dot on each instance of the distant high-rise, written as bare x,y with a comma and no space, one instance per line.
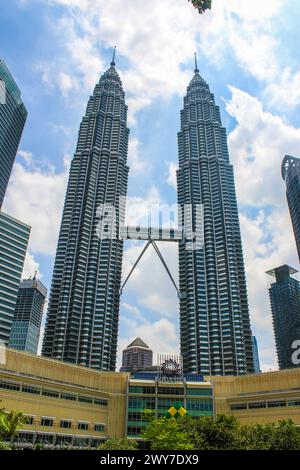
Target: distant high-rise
136,356
83,314
14,236
285,305
290,170
26,326
255,355
13,116
215,330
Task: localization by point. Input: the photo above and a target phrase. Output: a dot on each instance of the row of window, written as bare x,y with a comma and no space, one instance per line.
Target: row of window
170,391
65,424
264,404
51,393
53,439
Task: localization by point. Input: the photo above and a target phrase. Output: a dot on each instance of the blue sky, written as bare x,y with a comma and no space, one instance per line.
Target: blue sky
248,52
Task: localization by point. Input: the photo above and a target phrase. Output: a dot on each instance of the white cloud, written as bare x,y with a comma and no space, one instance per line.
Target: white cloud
36,196
172,175
136,163
158,38
30,266
160,335
257,146
27,156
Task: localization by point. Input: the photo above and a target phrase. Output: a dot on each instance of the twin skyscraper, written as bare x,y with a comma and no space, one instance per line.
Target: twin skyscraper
83,314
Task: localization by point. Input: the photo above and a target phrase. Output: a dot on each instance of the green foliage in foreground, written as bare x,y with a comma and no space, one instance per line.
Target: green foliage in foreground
118,444
220,433
202,5
167,434
10,422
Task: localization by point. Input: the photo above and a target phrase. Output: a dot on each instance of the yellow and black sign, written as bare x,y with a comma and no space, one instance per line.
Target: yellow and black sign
176,411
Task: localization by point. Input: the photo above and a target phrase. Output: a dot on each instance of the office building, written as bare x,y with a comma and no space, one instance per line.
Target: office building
285,305
83,315
255,355
14,237
68,405
13,116
215,333
136,356
26,326
290,170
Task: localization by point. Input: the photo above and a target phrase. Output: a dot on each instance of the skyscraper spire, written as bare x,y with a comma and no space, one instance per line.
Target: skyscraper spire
113,57
196,64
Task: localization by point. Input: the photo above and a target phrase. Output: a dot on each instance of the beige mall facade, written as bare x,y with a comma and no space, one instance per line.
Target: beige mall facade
71,405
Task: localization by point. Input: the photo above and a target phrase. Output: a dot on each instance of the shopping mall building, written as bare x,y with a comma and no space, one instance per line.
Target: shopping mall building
71,405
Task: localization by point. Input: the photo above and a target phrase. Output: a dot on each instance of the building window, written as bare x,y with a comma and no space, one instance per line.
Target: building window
50,393
29,419
83,399
242,406
34,390
83,426
294,403
66,424
198,405
67,396
47,422
9,386
99,428
170,391
202,392
100,402
276,404
255,406
134,430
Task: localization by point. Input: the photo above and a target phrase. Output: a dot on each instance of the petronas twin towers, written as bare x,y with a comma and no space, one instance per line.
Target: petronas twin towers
83,313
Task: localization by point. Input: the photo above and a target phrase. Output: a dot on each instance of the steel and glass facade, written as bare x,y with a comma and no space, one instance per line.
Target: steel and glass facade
215,328
290,171
14,237
26,326
149,393
285,305
255,355
13,116
83,314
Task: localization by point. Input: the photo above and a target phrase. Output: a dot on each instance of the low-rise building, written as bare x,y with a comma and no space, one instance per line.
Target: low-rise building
71,405
65,404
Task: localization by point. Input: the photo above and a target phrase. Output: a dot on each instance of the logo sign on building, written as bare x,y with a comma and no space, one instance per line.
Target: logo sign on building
176,411
169,367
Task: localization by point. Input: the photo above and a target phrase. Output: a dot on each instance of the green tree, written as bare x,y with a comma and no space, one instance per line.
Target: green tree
281,436
10,422
286,436
166,434
118,444
208,433
202,5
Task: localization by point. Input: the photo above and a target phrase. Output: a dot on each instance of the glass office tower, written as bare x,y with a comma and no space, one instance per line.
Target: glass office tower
255,355
285,305
13,116
215,328
26,326
83,314
14,237
290,171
